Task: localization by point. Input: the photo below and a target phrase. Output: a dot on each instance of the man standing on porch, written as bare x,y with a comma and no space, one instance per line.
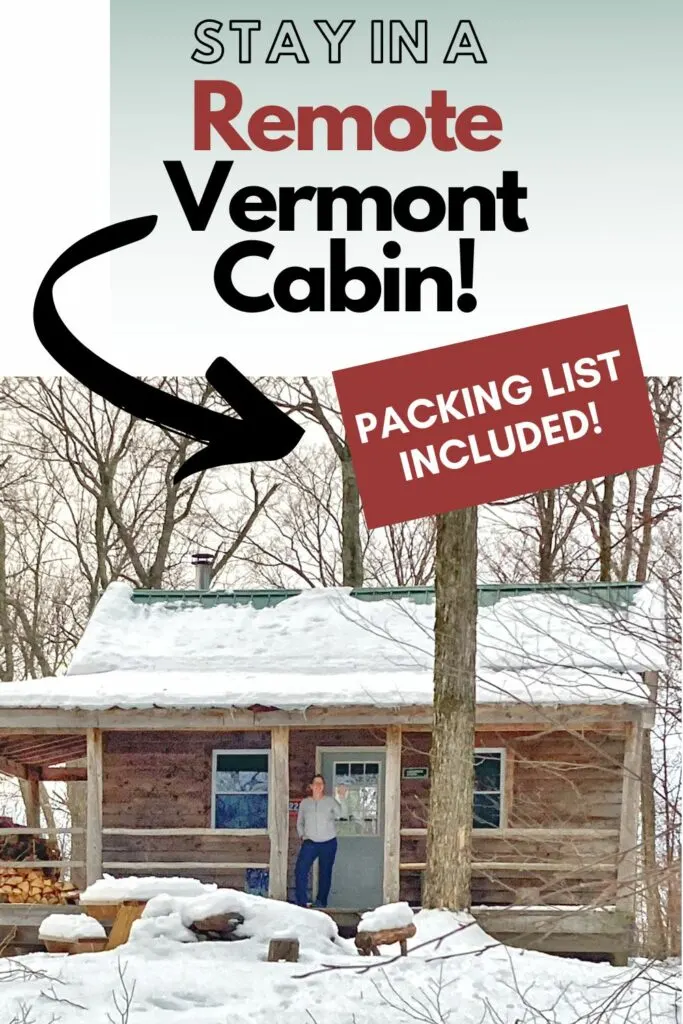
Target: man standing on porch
316,826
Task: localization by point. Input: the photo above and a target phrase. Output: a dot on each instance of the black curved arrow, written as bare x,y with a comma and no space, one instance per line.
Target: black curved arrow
262,434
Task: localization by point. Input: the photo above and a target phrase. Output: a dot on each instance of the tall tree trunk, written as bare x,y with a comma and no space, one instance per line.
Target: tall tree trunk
46,806
673,908
629,526
605,511
545,508
76,800
449,832
352,551
654,936
6,636
646,533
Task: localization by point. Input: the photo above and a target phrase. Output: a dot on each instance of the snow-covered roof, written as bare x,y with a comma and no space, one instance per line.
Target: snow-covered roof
327,648
288,692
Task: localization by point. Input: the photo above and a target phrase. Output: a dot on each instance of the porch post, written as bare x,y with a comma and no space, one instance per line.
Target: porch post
93,843
392,815
33,799
279,812
627,864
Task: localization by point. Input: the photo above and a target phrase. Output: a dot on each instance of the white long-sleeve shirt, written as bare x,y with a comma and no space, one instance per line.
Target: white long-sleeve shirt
317,819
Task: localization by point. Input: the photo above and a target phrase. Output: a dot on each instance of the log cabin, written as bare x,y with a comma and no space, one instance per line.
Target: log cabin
193,721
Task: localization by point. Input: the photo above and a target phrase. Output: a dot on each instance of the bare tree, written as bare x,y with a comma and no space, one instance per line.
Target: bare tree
87,497
316,402
620,528
119,514
402,554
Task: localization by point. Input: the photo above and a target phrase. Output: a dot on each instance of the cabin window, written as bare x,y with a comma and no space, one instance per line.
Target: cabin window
488,788
240,789
357,789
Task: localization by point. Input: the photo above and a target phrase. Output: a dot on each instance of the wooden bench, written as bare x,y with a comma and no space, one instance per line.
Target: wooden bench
123,915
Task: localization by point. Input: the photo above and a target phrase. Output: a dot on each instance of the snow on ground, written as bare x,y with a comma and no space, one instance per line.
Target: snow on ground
71,926
113,890
392,915
474,982
440,931
326,648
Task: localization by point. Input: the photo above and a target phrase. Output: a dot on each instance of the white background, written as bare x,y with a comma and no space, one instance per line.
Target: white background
55,190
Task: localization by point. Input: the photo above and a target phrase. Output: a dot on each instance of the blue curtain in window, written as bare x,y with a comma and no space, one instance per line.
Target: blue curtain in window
241,810
241,796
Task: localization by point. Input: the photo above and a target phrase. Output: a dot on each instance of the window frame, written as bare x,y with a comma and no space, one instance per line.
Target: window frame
215,754
381,792
502,818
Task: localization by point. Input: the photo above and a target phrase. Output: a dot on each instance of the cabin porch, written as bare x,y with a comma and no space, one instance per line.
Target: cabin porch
553,854
584,933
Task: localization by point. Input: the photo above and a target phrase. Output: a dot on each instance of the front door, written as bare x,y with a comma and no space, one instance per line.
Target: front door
355,777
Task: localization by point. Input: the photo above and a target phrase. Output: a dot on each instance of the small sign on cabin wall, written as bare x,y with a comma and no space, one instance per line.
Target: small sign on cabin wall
416,773
294,807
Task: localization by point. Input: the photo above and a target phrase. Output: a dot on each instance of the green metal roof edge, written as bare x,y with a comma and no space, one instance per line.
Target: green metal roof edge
488,593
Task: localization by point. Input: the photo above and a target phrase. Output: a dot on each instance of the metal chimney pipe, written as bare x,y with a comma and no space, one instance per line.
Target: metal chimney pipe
202,562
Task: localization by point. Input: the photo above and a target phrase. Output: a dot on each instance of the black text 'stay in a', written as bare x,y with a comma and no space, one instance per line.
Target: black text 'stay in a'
263,433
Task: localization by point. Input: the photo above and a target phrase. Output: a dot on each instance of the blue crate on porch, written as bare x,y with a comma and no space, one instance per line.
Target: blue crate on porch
256,881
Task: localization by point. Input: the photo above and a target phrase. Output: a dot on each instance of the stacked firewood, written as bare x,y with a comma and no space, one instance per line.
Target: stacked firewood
32,885
18,885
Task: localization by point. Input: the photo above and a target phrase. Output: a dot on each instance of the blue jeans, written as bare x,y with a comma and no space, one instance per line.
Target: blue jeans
324,853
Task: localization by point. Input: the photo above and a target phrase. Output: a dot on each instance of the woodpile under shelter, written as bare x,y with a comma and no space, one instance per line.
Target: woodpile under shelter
194,720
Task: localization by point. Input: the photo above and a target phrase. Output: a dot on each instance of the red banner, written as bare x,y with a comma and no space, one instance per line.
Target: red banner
498,417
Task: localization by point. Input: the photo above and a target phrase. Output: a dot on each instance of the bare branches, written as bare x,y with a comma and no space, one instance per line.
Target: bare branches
87,497
357,968
123,998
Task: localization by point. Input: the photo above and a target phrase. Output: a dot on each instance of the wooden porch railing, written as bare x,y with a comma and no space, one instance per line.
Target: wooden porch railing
24,830
524,865
185,865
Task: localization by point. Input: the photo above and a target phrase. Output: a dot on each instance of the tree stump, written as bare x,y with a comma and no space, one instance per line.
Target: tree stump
368,943
283,949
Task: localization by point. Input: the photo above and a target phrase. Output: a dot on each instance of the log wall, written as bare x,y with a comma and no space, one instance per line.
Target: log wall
554,781
163,780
